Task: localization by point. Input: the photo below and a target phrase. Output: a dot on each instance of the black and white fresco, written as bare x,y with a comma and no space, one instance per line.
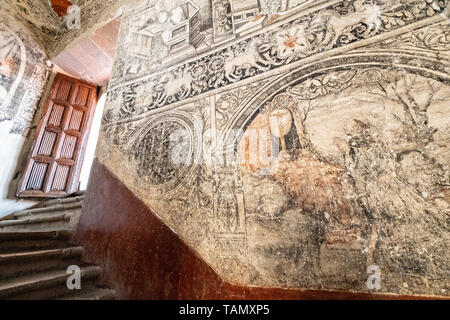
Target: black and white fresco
349,100
23,74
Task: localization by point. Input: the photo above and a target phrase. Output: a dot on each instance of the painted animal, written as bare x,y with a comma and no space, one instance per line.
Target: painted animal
145,95
364,13
177,85
248,59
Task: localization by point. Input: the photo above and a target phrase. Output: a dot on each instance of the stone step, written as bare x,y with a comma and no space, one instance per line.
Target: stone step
45,210
37,223
21,263
36,240
94,294
45,285
62,201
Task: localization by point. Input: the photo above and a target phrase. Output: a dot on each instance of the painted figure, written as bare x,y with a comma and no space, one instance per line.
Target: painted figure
271,9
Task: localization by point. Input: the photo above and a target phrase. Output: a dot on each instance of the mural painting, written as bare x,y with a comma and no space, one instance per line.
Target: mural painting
23,75
300,147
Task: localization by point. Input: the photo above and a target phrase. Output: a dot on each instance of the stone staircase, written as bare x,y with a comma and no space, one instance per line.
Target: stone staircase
35,252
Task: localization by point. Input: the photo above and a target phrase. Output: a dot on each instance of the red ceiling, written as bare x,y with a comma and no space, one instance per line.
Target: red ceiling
60,6
91,58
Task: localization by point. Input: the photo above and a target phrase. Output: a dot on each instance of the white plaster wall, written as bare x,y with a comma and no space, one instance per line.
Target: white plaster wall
11,145
92,143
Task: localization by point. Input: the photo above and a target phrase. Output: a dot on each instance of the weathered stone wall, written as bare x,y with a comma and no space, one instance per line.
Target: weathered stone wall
307,149
56,33
23,78
23,73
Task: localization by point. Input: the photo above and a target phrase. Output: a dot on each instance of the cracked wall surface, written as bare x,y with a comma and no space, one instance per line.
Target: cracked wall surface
291,145
55,33
23,78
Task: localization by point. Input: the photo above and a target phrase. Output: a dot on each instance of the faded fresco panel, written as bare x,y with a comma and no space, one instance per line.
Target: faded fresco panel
23,74
305,147
362,180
